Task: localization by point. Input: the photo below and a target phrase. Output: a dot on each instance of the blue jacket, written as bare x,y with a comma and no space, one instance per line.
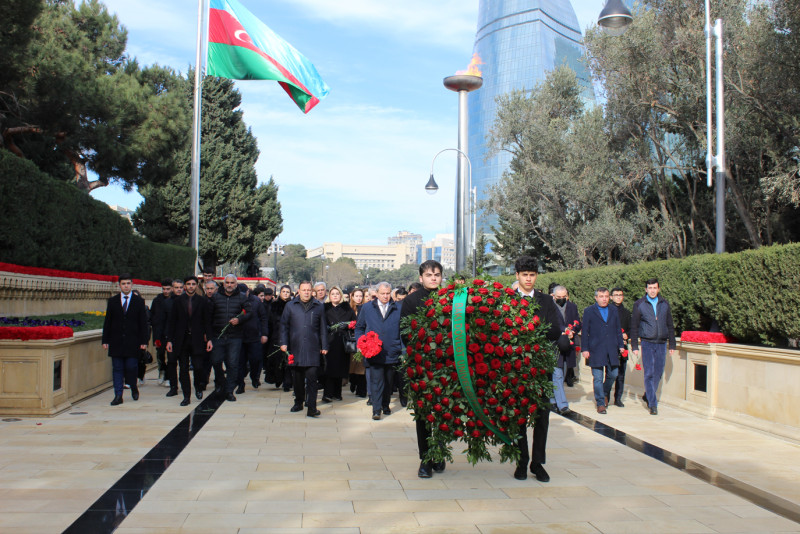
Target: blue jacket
304,332
603,340
388,330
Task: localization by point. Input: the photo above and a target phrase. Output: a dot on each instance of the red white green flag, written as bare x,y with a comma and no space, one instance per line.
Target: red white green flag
241,47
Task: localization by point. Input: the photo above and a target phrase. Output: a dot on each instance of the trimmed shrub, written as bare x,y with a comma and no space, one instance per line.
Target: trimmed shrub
49,223
753,295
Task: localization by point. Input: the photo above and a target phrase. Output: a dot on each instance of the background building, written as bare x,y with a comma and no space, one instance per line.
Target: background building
442,249
376,256
519,42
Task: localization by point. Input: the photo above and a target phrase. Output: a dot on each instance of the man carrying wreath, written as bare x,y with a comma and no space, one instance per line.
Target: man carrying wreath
381,316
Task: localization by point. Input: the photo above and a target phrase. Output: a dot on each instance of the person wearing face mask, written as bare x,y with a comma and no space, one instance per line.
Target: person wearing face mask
570,325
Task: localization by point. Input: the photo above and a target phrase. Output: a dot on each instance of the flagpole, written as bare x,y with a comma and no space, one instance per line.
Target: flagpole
194,201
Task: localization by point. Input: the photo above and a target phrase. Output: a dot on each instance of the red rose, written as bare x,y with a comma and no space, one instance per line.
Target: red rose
476,299
446,309
431,418
483,291
351,325
481,368
480,322
443,427
495,327
495,363
458,433
434,324
470,309
430,313
428,302
478,282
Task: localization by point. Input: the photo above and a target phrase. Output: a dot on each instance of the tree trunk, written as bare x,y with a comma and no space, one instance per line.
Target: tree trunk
741,209
8,137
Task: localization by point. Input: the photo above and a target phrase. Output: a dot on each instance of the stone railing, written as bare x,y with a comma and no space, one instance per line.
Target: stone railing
23,294
743,384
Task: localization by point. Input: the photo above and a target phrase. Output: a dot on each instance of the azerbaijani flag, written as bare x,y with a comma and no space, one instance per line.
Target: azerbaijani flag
241,47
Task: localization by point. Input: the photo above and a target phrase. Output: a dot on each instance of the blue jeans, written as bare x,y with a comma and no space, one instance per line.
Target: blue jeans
602,388
226,350
559,398
654,358
124,370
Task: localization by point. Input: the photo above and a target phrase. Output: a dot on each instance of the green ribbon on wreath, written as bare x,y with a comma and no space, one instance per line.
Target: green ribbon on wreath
462,365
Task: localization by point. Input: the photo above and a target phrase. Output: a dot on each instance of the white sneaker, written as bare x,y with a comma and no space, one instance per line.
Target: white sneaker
126,386
140,382
161,377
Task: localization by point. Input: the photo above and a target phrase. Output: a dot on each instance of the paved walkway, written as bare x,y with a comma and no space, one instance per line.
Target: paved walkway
257,468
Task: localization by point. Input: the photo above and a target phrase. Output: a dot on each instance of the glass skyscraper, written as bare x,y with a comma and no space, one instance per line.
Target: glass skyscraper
519,42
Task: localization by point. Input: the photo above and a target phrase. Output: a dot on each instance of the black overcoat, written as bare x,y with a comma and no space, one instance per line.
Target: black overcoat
304,331
338,361
124,332
199,324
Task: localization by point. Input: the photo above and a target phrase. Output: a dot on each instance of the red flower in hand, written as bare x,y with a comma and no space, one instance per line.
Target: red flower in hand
638,367
291,359
369,344
351,325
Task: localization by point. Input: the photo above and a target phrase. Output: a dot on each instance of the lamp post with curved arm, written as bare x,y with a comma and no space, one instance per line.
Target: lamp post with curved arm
462,219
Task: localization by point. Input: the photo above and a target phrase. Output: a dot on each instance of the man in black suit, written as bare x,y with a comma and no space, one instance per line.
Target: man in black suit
125,336
188,337
527,268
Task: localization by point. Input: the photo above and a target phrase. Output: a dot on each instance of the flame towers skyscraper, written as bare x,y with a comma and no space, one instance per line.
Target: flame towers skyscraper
519,42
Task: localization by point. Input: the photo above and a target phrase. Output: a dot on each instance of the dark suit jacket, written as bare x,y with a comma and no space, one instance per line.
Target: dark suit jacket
603,340
571,314
387,328
180,322
123,332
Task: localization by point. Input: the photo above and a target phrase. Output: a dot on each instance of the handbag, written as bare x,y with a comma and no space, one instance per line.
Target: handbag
350,346
146,357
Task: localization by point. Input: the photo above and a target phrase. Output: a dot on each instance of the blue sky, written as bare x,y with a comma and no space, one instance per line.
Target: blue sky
354,168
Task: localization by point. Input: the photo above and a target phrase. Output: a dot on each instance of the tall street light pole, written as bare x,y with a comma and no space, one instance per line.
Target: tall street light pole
462,237
615,17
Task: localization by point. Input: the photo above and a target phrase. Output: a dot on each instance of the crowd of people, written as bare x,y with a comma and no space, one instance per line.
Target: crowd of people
305,342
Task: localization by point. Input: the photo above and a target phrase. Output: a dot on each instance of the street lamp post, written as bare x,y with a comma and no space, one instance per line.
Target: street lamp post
462,234
616,16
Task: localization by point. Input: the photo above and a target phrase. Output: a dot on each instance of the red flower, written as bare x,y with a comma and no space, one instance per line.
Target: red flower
483,291
478,282
476,299
480,322
369,345
638,367
351,325
291,359
481,368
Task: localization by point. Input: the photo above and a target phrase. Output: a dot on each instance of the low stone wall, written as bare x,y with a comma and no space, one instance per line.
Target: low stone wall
743,384
45,377
22,294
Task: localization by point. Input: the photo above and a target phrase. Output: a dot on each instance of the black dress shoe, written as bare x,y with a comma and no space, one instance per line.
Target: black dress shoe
569,383
240,390
403,402
256,383
618,403
369,402
540,473
326,400
230,397
439,466
425,470
198,394
387,410
285,388
376,416
135,393
117,400
172,392
653,411
520,473
296,408
185,401
313,413
565,412
337,398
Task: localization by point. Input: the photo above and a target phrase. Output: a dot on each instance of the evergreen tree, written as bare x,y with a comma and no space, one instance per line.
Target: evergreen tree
239,218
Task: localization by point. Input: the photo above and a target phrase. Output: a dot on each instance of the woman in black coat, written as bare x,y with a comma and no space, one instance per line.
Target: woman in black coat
337,366
275,373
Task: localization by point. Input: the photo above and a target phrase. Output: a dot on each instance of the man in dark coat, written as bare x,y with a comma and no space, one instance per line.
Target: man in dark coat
570,323
304,335
188,338
230,310
125,336
381,316
527,268
158,314
254,338
602,344
651,321
430,277
617,297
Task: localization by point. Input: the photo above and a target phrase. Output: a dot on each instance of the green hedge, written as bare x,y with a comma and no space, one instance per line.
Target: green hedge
753,295
49,223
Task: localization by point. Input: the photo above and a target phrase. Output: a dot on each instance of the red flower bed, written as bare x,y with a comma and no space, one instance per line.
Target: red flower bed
35,332
57,273
694,336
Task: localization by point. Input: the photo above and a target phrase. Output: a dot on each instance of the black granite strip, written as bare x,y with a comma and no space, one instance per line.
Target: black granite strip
764,499
107,512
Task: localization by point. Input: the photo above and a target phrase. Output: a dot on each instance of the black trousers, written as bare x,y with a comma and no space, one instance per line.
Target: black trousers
540,429
161,358
619,383
305,386
333,387
182,359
